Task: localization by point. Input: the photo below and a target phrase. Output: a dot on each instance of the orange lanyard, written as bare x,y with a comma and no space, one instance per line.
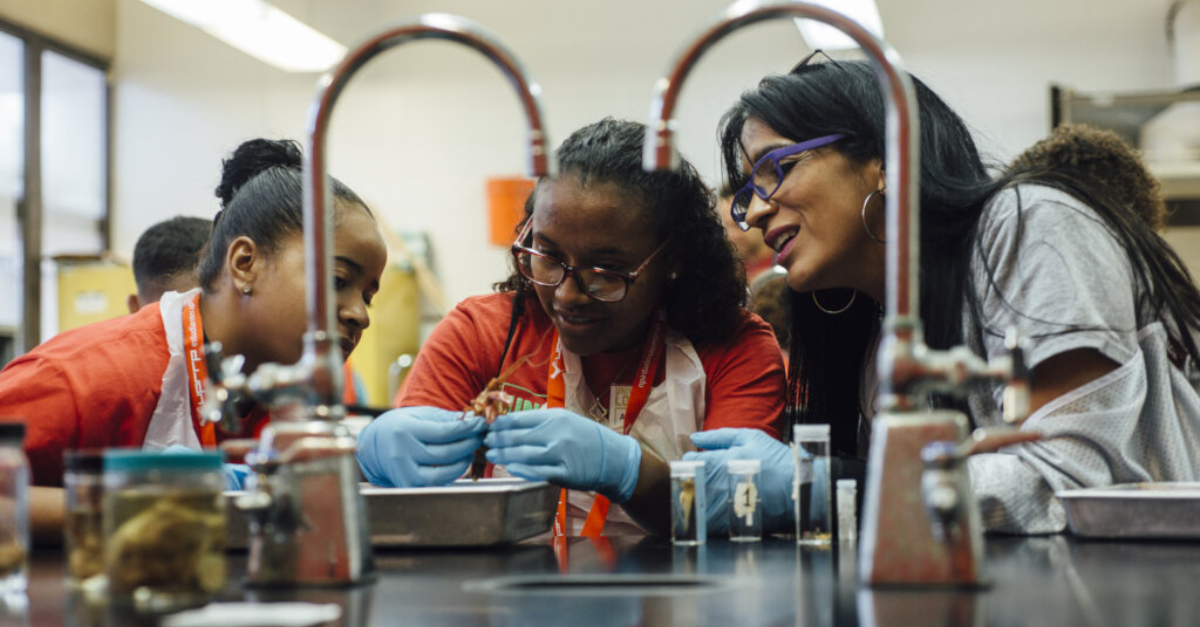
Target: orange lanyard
197,368
643,381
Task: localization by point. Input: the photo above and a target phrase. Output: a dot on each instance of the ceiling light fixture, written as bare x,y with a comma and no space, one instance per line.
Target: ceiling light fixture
260,30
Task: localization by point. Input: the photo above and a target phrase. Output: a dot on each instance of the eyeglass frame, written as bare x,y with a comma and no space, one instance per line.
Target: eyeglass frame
739,217
568,270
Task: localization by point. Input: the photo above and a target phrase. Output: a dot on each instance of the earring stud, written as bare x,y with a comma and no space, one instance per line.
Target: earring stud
246,289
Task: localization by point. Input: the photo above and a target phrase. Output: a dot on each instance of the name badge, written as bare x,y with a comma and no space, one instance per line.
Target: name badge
618,402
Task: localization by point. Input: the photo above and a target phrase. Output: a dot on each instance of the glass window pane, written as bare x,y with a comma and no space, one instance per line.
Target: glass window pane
12,172
74,172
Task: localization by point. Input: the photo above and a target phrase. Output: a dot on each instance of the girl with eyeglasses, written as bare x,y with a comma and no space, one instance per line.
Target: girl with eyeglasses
1110,312
623,319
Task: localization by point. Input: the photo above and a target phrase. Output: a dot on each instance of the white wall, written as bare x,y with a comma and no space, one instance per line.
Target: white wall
419,130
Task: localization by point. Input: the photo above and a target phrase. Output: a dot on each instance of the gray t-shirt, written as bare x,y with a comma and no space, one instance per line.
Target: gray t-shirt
1049,265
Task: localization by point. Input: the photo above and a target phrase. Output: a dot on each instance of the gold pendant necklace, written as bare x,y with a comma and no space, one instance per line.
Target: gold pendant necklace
598,412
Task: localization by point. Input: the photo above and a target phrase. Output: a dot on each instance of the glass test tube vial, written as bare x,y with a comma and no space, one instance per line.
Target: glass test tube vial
14,510
689,504
83,529
811,489
745,503
847,513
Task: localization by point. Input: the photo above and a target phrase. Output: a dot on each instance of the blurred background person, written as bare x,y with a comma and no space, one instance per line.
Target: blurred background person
768,289
757,258
165,259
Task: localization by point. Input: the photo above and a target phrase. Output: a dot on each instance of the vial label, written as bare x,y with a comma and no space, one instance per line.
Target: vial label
744,499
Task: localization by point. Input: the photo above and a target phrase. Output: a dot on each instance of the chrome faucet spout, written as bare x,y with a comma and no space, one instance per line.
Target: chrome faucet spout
321,350
308,524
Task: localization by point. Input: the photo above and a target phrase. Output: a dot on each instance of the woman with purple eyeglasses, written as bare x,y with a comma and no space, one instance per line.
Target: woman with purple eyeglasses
619,333
1110,311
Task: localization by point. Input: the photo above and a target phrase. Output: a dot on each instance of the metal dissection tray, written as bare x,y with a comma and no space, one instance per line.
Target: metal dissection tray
1135,510
462,514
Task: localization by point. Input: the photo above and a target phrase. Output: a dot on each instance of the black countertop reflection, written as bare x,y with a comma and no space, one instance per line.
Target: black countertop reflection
1053,580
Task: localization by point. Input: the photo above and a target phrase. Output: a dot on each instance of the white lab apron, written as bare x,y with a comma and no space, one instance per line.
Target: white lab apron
171,422
674,410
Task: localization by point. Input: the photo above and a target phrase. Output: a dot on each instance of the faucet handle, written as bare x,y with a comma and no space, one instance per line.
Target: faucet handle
225,390
943,482
221,369
213,355
940,493
1016,388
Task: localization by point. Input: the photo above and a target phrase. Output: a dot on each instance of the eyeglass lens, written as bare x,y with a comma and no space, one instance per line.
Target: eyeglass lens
765,177
548,272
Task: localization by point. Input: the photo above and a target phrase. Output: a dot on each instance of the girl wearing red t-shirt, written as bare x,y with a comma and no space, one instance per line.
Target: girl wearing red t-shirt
619,333
138,380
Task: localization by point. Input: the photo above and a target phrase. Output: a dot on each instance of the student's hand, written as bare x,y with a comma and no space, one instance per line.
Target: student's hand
774,482
567,449
418,446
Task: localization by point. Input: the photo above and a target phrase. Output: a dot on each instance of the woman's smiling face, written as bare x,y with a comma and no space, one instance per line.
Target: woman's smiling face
597,225
814,221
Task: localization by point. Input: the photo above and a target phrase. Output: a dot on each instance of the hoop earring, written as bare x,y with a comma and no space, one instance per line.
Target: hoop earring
866,228
834,312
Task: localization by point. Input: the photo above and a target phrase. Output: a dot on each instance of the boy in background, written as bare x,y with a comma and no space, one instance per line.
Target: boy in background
165,259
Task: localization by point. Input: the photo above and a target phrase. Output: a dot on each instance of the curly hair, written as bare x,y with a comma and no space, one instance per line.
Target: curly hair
1104,158
705,301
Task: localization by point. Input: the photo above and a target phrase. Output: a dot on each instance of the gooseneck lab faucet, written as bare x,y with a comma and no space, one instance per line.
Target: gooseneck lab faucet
911,534
307,518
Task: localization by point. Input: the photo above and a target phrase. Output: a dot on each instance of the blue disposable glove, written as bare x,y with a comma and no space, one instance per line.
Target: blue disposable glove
234,474
774,482
567,449
418,446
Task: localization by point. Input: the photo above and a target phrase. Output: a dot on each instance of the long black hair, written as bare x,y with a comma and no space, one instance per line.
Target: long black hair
828,352
261,194
704,301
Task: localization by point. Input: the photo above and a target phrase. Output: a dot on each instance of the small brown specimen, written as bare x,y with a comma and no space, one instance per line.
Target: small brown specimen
492,403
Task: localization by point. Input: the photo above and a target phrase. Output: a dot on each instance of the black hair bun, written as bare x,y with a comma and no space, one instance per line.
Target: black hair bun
250,159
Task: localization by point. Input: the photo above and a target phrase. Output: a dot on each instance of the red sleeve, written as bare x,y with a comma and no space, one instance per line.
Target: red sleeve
36,392
458,360
745,380
91,387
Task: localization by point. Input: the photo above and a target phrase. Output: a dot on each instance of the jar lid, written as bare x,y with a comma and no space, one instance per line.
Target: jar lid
808,432
743,466
12,431
689,468
137,459
88,460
